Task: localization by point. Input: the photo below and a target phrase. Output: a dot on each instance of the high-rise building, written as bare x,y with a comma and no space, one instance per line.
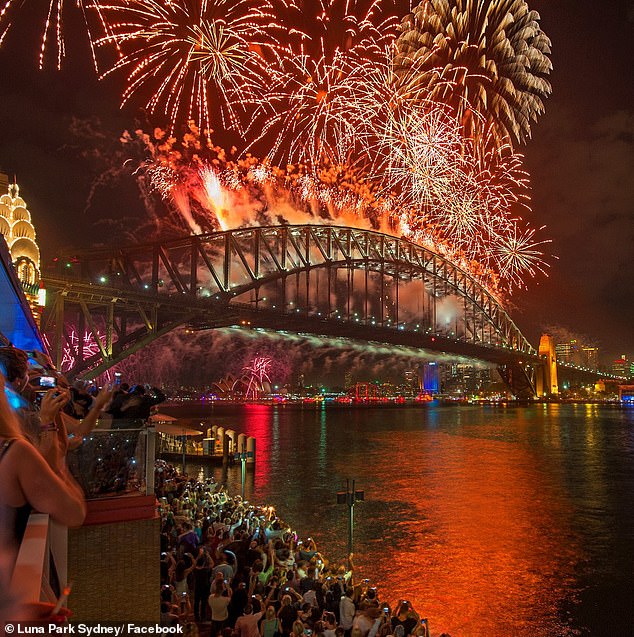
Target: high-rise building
19,233
621,367
564,351
590,356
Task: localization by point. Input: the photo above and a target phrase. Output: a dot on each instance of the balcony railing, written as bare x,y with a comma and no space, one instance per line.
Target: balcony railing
109,463
115,462
40,570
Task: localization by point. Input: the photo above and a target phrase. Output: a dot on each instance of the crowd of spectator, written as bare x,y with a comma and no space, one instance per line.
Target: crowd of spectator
238,570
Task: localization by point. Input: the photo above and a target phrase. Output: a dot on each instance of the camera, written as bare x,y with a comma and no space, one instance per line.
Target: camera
47,381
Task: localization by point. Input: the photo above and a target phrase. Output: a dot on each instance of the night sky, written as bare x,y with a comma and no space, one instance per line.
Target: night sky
581,161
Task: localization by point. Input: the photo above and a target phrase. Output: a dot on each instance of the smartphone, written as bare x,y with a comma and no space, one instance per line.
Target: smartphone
117,378
48,381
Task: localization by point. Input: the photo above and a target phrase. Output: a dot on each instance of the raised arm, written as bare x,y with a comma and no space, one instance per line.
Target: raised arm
99,404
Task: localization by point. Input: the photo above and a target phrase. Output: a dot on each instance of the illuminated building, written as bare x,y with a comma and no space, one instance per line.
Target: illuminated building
567,352
430,377
621,367
590,356
19,233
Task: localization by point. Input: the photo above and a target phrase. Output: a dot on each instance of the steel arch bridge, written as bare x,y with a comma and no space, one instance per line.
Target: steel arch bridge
318,279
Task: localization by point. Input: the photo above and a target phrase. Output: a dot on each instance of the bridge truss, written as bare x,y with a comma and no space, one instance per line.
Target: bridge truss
316,279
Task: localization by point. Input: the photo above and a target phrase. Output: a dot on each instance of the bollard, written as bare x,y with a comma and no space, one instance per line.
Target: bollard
242,443
250,450
232,436
220,436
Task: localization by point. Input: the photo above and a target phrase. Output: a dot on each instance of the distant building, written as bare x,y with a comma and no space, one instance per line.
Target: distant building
19,233
412,381
626,394
590,357
621,366
429,374
569,352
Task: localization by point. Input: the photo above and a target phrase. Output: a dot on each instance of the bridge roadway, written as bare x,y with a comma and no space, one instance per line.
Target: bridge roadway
170,312
313,279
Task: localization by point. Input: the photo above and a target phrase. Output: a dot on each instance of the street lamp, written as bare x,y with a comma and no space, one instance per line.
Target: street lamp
243,455
350,497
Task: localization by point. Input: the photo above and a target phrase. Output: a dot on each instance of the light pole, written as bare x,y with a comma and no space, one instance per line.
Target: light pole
350,497
244,454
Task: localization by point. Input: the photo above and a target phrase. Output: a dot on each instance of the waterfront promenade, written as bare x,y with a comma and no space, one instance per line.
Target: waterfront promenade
212,541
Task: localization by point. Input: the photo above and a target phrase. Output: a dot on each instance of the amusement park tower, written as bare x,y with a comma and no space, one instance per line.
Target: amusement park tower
19,233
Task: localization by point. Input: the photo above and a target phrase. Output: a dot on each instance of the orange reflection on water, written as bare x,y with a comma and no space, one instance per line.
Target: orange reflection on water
477,555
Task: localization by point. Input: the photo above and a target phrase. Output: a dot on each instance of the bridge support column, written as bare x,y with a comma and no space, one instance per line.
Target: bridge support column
516,377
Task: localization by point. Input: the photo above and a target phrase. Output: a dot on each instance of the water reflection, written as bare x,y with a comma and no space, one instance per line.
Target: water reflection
491,521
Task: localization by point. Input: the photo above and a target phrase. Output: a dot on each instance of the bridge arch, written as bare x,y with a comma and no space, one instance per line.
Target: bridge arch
295,277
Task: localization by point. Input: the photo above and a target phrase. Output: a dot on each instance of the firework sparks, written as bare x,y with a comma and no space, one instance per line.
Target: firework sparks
311,109
519,253
495,55
214,197
53,30
71,348
185,55
258,377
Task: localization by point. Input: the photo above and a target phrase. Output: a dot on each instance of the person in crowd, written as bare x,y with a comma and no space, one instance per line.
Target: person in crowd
223,568
347,611
202,585
168,617
139,402
406,617
247,624
82,412
219,603
287,615
270,625
32,479
298,628
36,408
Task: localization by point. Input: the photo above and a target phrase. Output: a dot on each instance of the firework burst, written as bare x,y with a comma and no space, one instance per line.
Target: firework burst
257,374
517,254
192,58
310,113
494,54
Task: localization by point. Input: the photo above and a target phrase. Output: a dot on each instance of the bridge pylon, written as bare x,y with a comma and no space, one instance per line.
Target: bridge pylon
546,374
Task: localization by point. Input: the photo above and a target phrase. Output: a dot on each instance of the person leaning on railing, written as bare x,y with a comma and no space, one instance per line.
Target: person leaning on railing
32,480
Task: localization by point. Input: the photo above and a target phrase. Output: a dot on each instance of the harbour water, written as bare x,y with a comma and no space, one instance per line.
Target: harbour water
494,521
